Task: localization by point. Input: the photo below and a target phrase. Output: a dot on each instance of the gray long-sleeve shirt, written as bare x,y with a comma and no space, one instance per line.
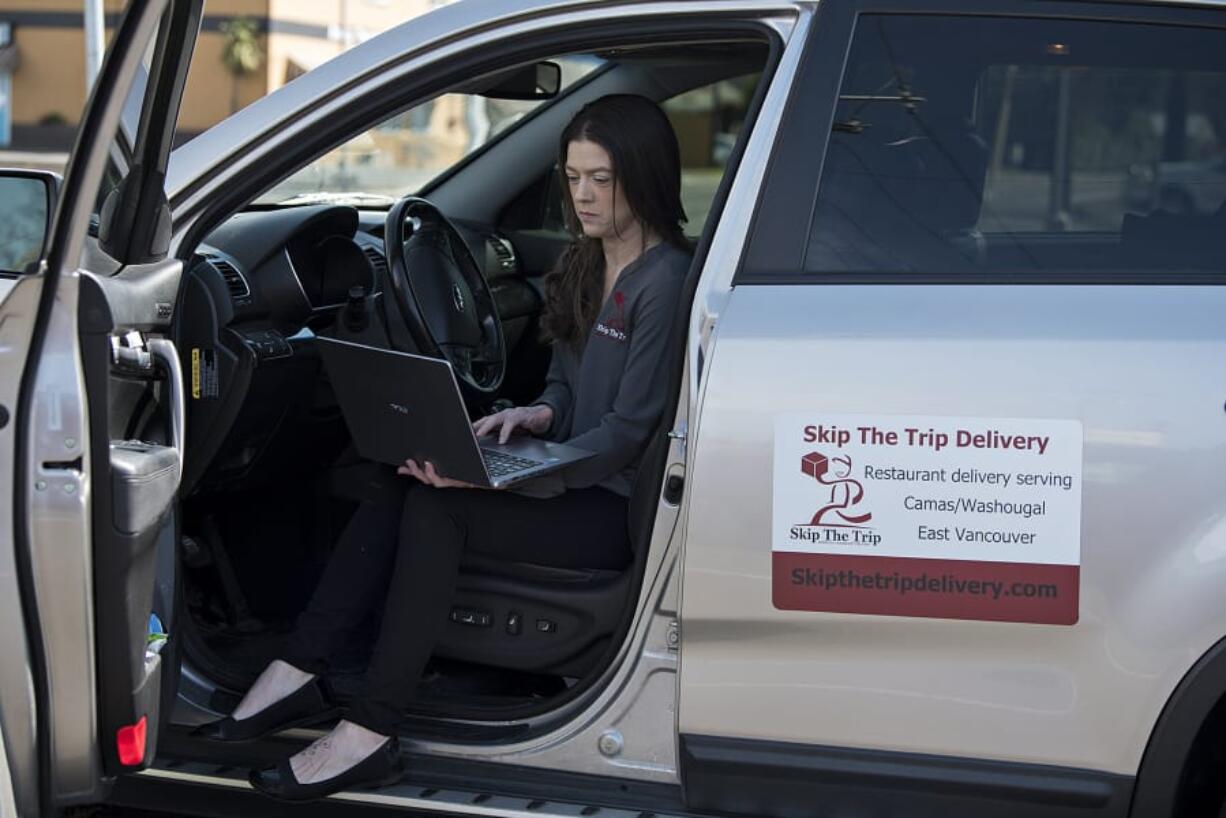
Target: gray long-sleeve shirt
609,397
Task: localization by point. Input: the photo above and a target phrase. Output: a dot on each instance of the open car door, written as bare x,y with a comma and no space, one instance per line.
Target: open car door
91,430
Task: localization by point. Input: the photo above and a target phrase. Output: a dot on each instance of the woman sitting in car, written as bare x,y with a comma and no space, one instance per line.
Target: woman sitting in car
610,306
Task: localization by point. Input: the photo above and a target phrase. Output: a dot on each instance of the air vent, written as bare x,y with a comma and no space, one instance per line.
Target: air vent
503,252
235,283
377,262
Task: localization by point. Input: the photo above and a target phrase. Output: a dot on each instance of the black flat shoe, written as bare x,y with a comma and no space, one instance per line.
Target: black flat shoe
306,705
382,767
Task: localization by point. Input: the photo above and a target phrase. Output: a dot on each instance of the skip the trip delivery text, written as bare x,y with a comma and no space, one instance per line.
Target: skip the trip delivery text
925,438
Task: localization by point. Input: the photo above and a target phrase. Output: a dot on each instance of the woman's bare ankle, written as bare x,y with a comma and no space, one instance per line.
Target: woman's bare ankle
277,681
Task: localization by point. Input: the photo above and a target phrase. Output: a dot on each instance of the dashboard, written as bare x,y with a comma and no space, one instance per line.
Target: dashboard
287,269
260,287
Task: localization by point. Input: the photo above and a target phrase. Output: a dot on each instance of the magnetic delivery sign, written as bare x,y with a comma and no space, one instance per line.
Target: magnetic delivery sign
955,518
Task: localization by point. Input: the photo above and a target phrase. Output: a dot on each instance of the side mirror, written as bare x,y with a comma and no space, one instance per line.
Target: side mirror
535,81
27,201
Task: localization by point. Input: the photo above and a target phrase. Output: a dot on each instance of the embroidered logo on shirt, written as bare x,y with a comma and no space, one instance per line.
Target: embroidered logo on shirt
615,325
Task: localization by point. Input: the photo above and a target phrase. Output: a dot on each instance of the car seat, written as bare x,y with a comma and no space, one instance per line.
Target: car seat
558,621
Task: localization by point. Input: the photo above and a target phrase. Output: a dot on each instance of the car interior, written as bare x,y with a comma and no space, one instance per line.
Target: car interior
271,475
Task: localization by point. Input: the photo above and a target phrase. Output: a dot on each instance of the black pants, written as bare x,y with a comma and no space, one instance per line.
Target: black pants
404,544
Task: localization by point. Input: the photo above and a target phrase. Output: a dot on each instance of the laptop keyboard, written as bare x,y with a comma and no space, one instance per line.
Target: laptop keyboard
500,464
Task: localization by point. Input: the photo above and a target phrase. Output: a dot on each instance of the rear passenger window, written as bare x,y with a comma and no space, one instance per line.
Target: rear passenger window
1006,144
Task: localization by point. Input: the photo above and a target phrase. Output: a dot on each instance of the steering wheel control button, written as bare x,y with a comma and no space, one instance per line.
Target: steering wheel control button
471,617
546,626
515,623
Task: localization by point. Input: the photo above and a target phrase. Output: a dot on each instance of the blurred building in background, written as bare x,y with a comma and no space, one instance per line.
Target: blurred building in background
247,48
250,48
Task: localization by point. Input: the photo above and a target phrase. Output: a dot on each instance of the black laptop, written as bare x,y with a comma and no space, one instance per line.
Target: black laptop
400,406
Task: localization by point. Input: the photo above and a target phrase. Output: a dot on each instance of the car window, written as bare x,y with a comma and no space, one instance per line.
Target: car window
405,152
119,159
984,144
707,121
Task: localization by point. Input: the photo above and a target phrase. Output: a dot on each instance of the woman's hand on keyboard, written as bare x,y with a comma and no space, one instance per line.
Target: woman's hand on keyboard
534,420
430,477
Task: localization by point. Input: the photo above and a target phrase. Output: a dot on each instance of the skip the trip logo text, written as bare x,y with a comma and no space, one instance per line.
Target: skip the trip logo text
841,515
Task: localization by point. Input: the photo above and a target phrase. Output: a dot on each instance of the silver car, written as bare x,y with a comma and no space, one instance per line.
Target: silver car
933,524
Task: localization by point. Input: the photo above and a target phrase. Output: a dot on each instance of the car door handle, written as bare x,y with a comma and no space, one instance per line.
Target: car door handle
166,352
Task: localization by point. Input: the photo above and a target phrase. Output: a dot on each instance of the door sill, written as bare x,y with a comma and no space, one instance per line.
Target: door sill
204,788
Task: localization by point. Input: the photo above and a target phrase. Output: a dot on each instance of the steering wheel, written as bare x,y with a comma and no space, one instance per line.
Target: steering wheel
445,300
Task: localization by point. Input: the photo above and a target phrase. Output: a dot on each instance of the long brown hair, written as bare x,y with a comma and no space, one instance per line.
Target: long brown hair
647,164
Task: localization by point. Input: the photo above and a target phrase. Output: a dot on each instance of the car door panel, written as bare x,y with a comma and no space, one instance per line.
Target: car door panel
87,519
135,502
140,298
136,400
1012,690
18,697
1012,717
59,533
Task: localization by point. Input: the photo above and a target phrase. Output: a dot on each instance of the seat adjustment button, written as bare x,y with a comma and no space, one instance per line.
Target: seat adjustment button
470,617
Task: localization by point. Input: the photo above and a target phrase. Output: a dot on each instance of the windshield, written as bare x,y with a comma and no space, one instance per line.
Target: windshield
402,154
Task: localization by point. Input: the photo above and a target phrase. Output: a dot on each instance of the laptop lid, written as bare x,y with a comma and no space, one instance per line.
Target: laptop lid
400,406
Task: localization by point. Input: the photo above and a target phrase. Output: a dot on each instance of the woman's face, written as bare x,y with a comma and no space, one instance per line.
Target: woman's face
599,201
